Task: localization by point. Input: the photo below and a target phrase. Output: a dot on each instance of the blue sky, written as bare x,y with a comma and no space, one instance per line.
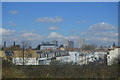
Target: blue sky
60,0
60,20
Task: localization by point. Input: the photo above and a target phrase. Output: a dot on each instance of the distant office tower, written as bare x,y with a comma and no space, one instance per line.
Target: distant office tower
14,43
71,44
54,42
68,44
81,42
4,44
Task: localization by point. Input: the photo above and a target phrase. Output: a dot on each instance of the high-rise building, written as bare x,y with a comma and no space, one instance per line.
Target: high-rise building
14,43
54,42
4,44
68,44
71,44
81,42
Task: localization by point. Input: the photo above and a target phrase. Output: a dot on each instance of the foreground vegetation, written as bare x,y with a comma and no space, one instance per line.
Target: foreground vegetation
66,70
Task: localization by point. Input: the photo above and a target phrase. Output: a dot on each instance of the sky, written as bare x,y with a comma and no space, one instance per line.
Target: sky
60,0
96,22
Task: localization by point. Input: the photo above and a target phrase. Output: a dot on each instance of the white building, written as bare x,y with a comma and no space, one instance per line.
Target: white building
68,44
27,61
113,54
91,57
44,61
54,42
47,45
82,58
31,61
79,58
63,58
72,57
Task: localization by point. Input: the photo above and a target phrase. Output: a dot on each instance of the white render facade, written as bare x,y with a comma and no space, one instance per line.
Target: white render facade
27,61
80,58
63,58
54,47
113,54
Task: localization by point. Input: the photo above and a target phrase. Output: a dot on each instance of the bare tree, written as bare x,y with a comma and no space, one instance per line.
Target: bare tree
89,47
25,46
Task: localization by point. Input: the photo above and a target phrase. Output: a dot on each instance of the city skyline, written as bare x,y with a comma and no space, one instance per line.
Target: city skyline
36,22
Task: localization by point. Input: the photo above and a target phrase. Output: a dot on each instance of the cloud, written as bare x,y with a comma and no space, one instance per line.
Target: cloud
100,37
13,11
5,32
101,33
102,26
53,28
107,34
55,35
10,23
31,36
61,38
72,37
49,19
101,30
102,40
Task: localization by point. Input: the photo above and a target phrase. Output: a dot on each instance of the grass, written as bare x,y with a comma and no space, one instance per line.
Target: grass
60,71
